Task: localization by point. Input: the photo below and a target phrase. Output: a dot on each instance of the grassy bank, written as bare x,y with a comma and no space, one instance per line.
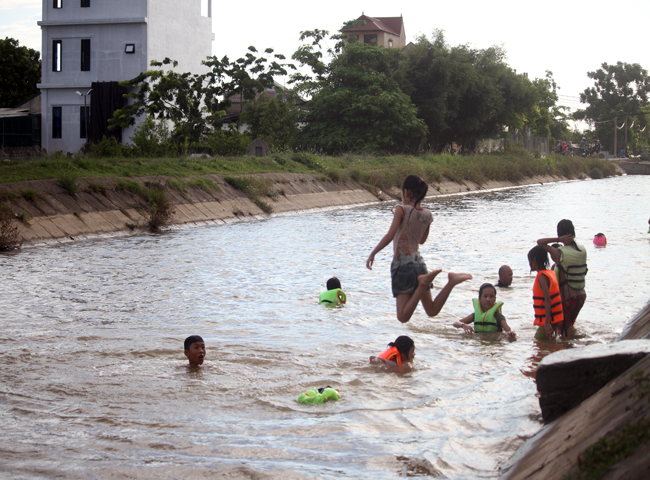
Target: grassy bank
373,172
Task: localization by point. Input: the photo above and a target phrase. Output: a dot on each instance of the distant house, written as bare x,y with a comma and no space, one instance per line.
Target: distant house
94,44
382,31
21,126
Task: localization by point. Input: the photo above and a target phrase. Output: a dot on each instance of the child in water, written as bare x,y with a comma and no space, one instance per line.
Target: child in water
410,228
334,295
547,301
195,350
487,316
400,352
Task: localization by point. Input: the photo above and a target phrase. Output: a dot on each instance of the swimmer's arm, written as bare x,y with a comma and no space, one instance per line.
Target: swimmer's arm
398,215
425,235
506,328
464,324
544,284
552,251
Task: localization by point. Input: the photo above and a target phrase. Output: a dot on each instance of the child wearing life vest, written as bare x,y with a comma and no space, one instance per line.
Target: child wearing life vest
571,264
487,316
547,301
400,352
411,282
334,295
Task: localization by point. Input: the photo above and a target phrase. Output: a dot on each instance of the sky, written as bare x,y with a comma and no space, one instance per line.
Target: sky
567,37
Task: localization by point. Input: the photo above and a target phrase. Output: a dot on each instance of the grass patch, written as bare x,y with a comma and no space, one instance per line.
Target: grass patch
31,194
6,196
68,182
95,188
206,184
130,186
599,458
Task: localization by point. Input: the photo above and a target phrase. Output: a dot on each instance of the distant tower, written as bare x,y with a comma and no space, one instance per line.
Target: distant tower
88,41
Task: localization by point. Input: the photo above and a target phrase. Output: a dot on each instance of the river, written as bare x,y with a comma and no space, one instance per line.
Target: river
94,384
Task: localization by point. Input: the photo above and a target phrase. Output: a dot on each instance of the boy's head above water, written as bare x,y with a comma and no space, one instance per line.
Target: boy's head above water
195,350
333,283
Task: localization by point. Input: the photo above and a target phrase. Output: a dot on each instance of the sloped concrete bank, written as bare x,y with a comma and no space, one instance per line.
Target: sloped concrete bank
605,392
101,208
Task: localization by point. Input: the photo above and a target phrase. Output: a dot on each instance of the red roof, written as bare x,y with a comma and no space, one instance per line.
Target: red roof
386,24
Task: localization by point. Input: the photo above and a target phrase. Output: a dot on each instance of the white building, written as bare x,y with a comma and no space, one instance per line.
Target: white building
86,41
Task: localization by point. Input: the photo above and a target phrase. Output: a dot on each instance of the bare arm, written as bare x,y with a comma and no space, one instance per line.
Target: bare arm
464,324
398,215
506,328
554,252
544,284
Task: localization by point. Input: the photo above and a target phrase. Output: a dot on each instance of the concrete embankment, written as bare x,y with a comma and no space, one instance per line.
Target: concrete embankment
605,392
101,208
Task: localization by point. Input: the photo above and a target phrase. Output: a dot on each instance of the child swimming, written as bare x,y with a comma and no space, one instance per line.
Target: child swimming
487,316
547,301
411,282
400,352
334,295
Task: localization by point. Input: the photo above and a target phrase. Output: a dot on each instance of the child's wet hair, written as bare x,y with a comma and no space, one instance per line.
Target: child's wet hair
538,254
333,283
403,344
417,187
565,227
484,286
192,339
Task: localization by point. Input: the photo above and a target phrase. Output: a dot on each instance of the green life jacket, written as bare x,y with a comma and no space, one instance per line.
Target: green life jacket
573,266
485,322
332,297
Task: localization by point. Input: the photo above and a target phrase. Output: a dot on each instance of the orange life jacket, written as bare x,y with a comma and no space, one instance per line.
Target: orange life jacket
392,354
557,315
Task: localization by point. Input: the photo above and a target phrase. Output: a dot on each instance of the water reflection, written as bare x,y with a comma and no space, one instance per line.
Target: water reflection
93,377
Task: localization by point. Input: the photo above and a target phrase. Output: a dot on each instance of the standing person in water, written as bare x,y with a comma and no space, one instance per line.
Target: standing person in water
411,282
570,268
547,301
487,316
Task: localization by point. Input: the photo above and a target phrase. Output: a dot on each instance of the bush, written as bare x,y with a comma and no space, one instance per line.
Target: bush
152,139
10,238
68,182
108,147
228,143
160,212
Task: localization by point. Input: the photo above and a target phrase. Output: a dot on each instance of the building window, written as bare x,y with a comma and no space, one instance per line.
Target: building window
129,48
372,39
58,3
57,51
56,121
84,121
85,55
390,43
85,3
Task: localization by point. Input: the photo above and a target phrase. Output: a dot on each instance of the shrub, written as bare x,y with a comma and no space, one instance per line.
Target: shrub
152,139
10,238
596,173
95,188
30,194
228,143
68,182
160,212
130,186
108,147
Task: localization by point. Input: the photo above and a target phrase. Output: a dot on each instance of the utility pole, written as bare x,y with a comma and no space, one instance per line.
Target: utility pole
625,134
615,136
85,95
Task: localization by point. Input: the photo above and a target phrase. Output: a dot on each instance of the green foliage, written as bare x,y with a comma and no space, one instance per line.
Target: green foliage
464,94
195,103
10,238
255,188
596,461
20,71
95,188
108,147
68,182
356,105
130,186
273,120
159,213
30,194
228,142
205,184
152,139
620,91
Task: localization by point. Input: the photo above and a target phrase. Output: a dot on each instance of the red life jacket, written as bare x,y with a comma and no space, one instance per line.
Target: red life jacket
392,354
557,315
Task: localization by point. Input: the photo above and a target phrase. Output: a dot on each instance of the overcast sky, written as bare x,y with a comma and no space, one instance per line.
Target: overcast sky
568,37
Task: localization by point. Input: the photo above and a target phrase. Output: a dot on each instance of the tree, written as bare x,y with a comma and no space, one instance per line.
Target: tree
274,120
20,71
620,91
195,103
356,103
464,94
548,119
